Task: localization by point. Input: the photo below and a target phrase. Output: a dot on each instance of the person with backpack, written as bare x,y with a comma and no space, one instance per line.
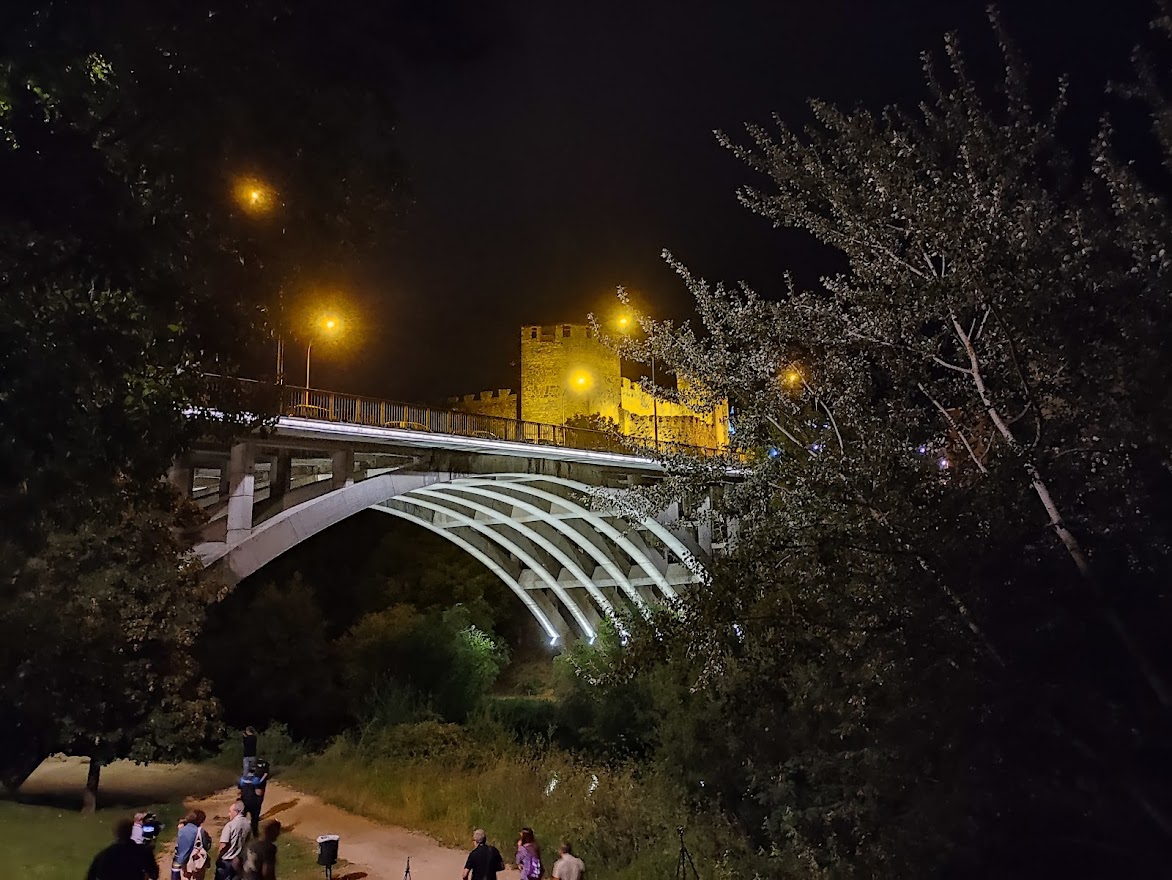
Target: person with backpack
252,793
485,861
192,848
529,856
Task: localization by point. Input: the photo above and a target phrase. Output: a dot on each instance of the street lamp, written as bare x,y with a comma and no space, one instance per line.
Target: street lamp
257,198
329,325
625,324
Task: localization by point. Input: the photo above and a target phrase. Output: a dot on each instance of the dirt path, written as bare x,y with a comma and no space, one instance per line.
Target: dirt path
374,852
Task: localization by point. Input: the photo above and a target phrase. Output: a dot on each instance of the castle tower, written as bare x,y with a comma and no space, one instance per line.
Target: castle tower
567,372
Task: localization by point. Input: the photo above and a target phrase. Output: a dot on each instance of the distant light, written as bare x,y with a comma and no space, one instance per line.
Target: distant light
817,447
792,377
922,449
942,463
254,195
774,452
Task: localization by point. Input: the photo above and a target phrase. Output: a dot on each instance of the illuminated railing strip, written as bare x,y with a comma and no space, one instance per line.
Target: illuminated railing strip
331,406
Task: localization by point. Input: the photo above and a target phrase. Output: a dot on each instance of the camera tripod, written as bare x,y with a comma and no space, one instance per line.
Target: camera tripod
407,873
685,859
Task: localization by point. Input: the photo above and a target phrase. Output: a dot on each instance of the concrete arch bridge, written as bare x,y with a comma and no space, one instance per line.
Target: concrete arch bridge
553,521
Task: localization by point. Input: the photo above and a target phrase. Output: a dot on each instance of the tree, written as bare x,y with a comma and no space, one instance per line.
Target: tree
97,631
128,275
950,573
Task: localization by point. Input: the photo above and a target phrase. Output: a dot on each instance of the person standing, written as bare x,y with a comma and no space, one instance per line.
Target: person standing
249,737
484,861
192,847
124,859
230,862
260,858
529,856
568,866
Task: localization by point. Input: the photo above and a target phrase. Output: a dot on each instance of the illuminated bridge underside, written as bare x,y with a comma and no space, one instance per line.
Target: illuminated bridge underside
570,561
563,547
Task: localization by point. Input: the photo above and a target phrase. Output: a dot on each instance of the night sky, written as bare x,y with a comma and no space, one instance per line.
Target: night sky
555,150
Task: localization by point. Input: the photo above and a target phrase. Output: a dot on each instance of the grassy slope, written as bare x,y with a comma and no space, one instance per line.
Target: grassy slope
623,827
44,836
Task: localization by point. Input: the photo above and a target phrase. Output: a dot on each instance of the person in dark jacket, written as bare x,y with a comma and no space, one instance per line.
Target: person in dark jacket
249,738
124,859
252,793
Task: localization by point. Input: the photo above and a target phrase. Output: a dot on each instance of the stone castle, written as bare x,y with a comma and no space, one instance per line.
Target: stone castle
568,375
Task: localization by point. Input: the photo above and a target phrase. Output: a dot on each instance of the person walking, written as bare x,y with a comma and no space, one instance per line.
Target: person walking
252,794
123,859
249,737
192,848
529,856
230,861
568,866
484,861
260,857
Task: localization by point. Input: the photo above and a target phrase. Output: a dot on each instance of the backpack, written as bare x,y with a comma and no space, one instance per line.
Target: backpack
198,859
535,872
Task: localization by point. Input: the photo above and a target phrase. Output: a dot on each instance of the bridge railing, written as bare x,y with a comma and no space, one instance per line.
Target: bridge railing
331,406
314,403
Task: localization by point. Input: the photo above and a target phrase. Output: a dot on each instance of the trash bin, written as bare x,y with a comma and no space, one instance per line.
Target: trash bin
327,850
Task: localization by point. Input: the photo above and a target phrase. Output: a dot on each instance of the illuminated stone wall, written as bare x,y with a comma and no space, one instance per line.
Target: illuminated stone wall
501,403
677,423
567,372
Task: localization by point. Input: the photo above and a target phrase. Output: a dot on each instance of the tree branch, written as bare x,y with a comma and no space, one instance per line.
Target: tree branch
956,428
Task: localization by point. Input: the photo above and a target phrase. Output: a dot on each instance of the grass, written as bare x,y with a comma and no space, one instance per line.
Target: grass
50,843
621,823
44,835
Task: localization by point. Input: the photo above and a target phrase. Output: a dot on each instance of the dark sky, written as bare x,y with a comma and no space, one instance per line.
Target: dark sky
573,142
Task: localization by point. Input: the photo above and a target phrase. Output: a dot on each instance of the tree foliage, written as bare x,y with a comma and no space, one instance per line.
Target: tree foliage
938,644
128,273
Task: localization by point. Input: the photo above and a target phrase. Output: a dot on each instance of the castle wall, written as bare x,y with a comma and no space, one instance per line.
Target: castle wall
501,403
567,372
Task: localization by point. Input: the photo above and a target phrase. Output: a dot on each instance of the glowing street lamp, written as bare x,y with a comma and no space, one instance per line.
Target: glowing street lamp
254,195
625,323
329,325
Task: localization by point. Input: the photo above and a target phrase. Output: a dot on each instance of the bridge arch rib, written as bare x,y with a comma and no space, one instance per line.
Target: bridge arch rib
565,560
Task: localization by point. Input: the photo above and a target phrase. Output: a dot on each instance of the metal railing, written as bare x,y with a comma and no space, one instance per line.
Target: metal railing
330,406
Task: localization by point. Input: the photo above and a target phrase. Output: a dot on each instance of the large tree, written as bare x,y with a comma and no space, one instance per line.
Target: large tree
128,273
949,590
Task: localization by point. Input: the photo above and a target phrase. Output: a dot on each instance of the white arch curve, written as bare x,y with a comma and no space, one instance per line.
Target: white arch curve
567,562
490,563
510,547
598,522
656,528
620,577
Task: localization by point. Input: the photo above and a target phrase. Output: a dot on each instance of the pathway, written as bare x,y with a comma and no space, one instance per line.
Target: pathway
372,851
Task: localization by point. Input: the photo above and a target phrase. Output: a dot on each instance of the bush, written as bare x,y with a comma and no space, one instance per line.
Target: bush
274,744
527,719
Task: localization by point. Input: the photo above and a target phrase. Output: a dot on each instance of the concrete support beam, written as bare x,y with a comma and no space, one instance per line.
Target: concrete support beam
281,474
240,491
343,470
181,475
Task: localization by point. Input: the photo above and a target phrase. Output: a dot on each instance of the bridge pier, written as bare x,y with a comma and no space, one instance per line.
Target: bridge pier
343,468
182,476
281,474
241,482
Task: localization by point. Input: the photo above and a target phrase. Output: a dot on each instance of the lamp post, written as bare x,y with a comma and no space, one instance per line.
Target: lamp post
257,199
329,324
625,324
